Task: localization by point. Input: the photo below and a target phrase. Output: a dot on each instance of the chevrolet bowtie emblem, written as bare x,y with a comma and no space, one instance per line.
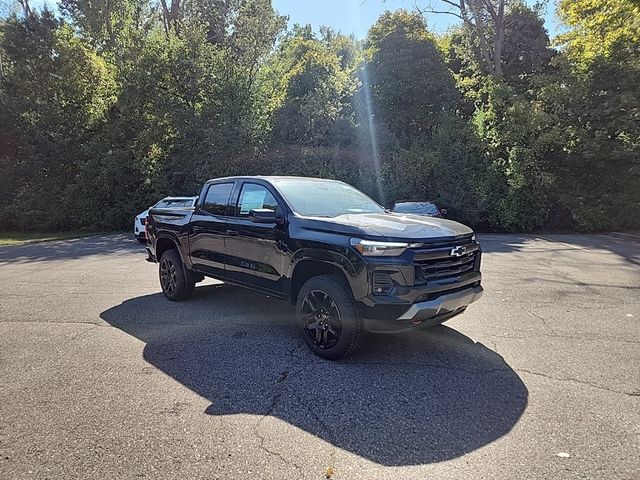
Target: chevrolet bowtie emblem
458,251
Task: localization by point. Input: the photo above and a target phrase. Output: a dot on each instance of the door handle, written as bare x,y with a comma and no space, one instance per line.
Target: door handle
232,232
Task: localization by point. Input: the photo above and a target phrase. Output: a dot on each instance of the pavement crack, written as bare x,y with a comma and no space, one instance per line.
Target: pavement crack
544,322
45,322
79,335
575,380
275,400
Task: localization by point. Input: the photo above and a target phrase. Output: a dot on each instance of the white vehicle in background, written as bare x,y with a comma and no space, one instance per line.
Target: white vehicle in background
167,202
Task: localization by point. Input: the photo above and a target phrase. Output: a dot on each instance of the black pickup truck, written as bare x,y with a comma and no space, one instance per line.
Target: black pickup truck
348,265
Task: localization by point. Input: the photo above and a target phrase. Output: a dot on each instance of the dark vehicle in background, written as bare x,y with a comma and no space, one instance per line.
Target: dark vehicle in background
167,202
347,265
428,209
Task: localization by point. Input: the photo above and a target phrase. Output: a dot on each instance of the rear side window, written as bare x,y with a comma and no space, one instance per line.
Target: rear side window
254,196
217,198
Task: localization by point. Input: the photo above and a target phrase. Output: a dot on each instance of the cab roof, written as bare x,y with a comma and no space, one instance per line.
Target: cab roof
270,178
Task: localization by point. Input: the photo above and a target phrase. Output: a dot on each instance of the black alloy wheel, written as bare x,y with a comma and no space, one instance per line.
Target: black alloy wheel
321,318
176,281
168,276
328,317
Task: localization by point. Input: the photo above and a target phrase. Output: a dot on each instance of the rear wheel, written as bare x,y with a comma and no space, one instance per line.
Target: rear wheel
175,281
327,313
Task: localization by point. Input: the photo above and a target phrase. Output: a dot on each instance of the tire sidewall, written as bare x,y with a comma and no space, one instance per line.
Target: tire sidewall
182,288
335,288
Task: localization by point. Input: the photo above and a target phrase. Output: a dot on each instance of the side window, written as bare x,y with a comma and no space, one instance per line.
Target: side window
254,196
217,198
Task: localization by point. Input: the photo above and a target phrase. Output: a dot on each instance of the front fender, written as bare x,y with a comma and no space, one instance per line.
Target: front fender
351,265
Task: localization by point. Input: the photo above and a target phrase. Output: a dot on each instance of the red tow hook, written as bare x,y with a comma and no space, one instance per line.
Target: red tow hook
416,322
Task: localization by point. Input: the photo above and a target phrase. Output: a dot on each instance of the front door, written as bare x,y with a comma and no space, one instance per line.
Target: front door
255,253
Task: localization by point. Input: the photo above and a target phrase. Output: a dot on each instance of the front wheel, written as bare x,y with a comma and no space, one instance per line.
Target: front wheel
175,282
327,313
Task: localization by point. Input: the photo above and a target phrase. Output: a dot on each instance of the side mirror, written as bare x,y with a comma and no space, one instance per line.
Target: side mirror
262,215
444,211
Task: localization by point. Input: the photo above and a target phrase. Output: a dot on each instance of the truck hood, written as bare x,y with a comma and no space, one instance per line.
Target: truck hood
390,226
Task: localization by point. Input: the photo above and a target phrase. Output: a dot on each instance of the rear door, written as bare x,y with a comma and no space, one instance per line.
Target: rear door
208,228
256,252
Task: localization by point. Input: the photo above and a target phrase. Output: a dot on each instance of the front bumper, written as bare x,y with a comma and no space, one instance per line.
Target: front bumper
406,317
422,314
442,305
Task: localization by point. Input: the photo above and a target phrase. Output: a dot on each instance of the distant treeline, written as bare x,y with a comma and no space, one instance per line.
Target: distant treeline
108,105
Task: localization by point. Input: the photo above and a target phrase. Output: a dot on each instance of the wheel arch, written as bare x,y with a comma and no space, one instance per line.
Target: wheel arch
307,268
164,243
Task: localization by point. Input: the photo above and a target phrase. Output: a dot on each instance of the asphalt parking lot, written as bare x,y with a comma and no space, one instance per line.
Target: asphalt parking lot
101,377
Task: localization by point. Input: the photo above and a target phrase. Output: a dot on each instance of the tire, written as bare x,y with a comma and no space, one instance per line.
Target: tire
176,283
142,240
333,329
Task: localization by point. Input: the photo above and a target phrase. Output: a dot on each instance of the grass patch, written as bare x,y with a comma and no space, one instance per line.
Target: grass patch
20,238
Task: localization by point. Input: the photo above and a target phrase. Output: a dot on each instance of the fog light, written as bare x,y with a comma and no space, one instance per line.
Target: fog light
382,283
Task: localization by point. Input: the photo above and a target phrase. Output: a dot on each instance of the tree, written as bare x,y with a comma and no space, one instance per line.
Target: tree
256,29
520,143
315,92
109,25
484,23
526,48
598,28
119,102
406,75
55,92
596,103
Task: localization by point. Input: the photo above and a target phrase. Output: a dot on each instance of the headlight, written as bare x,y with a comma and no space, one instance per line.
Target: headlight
373,248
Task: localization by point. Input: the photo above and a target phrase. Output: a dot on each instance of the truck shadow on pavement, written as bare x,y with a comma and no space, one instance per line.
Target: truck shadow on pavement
402,400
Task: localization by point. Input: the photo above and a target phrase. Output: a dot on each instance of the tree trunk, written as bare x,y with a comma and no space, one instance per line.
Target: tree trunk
498,40
482,40
26,9
109,24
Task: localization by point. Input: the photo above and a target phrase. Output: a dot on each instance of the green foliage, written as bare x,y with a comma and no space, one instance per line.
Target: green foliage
445,166
119,103
599,122
599,28
526,47
55,93
407,75
315,90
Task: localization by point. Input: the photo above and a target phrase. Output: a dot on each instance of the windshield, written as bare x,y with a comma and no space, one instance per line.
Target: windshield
324,198
427,208
175,203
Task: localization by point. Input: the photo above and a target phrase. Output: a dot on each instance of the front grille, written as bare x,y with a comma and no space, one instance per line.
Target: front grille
439,263
436,268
